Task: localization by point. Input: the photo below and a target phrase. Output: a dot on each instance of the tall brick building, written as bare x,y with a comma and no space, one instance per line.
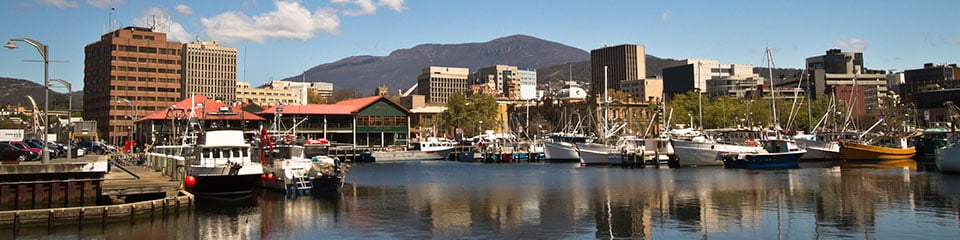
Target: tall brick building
133,63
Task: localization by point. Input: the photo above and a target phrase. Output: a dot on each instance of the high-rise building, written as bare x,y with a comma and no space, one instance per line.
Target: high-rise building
437,83
710,78
836,69
209,69
930,76
623,63
528,84
129,73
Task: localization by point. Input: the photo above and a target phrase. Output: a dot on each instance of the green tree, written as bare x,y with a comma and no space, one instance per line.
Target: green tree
345,94
472,115
315,98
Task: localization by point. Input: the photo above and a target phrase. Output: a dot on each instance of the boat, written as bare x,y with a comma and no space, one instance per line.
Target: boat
823,146
693,148
431,149
287,170
560,147
221,166
776,154
884,149
643,151
932,139
948,158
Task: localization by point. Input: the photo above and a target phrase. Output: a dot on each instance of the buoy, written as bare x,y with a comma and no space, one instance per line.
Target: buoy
189,181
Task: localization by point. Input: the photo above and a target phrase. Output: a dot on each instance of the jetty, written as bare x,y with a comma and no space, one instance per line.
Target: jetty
89,189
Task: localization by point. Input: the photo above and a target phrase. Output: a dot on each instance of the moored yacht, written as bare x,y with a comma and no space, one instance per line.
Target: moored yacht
222,167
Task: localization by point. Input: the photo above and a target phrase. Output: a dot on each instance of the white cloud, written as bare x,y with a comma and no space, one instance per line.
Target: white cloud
366,7
159,17
290,20
665,16
58,3
852,44
104,3
396,5
184,9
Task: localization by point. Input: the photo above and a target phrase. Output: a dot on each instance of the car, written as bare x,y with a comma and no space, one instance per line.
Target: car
96,147
9,153
24,146
53,152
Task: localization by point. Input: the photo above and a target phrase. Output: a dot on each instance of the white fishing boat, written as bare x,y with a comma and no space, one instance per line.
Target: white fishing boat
559,147
693,148
287,169
430,149
222,167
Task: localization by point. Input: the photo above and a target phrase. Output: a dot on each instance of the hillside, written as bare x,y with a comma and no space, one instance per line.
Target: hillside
400,69
14,90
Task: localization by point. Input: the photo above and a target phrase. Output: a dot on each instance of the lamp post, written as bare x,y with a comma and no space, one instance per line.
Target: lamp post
699,107
69,115
132,119
43,49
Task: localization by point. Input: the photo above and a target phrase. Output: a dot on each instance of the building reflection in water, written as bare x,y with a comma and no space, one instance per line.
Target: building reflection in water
552,201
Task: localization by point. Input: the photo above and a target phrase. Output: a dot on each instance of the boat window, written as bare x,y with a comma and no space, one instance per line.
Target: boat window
206,152
216,153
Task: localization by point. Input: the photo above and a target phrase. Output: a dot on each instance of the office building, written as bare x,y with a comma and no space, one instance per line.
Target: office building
711,78
210,70
623,62
437,83
129,72
836,68
930,77
272,93
644,90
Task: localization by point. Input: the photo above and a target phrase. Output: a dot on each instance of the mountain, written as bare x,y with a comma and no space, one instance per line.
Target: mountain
14,90
400,69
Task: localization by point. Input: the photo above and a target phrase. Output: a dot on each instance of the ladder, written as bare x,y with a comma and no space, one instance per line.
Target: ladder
302,181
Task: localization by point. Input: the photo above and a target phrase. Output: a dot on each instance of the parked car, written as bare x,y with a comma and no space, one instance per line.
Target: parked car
9,153
24,146
53,151
96,147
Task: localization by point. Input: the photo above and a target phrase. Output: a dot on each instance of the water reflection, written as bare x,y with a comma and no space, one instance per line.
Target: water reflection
538,201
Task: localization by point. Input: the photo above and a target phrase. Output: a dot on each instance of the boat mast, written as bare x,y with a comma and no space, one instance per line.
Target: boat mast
773,93
604,103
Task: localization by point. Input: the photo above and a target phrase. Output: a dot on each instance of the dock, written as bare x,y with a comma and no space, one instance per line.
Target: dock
85,190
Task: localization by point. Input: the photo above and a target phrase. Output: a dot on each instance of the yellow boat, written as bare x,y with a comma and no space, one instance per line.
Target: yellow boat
878,150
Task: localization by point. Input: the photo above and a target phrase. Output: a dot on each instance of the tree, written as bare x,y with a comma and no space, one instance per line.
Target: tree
472,115
315,98
345,94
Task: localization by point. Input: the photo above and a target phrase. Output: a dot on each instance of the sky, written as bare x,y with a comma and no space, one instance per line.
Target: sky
282,38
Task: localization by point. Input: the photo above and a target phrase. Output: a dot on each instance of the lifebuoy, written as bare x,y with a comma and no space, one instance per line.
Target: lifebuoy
750,142
273,139
288,139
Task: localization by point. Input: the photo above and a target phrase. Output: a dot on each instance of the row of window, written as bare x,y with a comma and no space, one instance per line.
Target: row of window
144,69
145,60
381,120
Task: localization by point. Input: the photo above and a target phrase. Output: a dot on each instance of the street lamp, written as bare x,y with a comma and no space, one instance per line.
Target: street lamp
69,114
699,106
132,119
43,49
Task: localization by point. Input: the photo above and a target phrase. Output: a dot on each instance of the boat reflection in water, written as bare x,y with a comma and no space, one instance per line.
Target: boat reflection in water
555,201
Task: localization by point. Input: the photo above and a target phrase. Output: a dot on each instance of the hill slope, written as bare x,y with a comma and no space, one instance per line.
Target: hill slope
400,69
14,90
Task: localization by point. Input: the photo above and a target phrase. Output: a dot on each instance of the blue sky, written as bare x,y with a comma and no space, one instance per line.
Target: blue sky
281,38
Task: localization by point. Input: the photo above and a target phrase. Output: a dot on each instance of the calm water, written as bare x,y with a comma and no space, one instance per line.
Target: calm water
559,201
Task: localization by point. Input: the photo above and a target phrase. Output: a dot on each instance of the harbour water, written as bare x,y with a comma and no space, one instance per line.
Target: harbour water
559,201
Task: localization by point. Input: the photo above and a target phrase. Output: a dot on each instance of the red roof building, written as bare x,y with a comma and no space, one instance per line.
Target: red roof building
209,113
369,121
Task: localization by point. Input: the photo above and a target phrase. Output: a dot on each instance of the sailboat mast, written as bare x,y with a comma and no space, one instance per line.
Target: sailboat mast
773,93
604,135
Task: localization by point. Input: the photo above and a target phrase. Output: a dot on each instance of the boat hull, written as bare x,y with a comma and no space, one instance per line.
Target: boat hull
861,153
224,186
819,150
691,153
763,160
593,154
560,152
399,156
948,159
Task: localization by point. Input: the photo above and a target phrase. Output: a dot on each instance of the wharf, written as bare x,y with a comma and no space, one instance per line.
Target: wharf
84,190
